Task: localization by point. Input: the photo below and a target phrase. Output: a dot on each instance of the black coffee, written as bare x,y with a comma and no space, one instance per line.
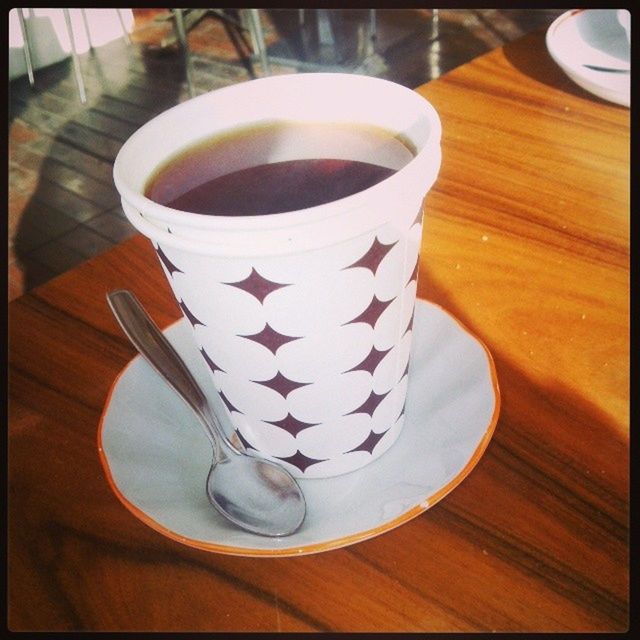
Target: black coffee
277,167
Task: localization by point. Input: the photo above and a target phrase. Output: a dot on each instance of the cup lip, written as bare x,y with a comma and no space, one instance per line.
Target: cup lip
295,217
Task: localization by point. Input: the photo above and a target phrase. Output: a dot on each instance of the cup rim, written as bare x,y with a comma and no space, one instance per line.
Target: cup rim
167,215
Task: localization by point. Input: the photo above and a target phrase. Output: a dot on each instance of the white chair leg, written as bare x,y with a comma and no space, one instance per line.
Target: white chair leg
87,31
435,23
257,37
181,32
125,33
371,33
325,31
76,60
26,46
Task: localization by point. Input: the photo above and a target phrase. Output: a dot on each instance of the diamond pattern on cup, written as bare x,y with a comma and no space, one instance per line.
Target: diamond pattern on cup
371,314
414,273
374,256
406,372
169,266
372,440
371,361
245,442
212,365
270,338
299,460
369,443
292,425
410,325
228,403
371,403
189,315
382,261
282,385
257,285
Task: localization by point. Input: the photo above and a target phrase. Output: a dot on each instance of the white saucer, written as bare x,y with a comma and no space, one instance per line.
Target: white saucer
594,37
156,456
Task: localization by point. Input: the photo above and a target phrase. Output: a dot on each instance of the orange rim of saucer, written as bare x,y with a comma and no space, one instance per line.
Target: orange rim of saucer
317,547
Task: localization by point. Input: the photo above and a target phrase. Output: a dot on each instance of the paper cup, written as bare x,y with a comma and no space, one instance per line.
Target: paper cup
304,318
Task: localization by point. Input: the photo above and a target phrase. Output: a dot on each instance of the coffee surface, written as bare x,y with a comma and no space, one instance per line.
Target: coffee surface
248,172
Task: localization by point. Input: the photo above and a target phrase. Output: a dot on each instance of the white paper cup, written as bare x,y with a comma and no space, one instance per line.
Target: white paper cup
303,318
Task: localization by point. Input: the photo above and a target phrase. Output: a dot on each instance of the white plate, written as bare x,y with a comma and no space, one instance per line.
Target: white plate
156,456
594,37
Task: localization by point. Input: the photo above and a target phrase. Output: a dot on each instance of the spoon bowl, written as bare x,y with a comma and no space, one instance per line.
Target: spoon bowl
248,505
255,494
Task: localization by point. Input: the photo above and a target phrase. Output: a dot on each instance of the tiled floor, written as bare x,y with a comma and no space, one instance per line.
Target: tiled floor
63,207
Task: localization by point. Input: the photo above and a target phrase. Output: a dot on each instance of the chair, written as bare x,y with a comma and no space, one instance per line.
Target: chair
27,47
251,22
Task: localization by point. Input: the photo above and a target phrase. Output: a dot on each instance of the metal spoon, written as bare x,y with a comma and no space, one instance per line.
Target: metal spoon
255,494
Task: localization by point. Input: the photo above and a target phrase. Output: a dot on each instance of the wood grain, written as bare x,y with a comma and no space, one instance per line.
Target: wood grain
526,241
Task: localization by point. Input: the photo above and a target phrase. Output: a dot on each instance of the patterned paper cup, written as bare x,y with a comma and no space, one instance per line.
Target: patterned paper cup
303,318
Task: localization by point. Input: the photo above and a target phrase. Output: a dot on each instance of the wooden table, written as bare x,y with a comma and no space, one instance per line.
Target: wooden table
526,242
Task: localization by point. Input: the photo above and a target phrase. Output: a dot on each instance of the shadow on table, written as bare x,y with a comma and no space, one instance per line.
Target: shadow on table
74,213
559,398
542,67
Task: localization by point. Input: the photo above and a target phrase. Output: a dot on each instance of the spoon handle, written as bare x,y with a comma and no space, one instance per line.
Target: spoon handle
157,350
